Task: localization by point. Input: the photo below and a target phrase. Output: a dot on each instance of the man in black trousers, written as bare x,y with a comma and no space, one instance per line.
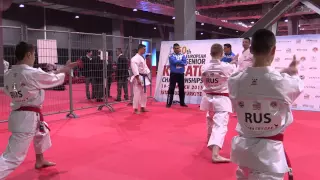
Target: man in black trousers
177,67
122,75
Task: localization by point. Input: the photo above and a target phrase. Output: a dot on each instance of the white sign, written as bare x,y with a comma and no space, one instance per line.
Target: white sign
47,51
305,47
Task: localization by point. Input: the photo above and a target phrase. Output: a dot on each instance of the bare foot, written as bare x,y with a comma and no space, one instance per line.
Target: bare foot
136,111
44,164
144,110
220,159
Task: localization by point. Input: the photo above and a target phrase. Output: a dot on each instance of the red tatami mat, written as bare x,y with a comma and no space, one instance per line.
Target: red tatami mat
164,144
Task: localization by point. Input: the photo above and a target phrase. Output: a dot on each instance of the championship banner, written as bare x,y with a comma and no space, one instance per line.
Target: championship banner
197,52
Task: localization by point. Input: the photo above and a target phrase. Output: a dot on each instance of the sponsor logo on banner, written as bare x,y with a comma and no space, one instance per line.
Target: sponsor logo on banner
314,77
278,50
302,68
313,68
302,77
288,50
302,58
309,87
298,41
317,96
314,59
306,96
284,41
294,105
305,105
315,49
277,59
288,59
312,40
302,50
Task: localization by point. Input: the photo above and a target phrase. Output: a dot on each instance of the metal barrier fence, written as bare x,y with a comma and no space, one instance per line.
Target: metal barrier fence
100,81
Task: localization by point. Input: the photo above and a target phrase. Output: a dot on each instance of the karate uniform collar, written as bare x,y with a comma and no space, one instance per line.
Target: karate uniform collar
215,61
21,66
260,69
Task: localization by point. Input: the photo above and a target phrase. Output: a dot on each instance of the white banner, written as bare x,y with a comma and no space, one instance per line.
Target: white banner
305,47
47,51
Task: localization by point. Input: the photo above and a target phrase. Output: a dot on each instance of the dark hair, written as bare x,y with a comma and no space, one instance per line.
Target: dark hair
119,49
148,55
88,51
227,45
141,46
247,39
22,49
262,42
176,44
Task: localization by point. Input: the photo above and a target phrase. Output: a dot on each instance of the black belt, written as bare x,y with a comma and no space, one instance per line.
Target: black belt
144,82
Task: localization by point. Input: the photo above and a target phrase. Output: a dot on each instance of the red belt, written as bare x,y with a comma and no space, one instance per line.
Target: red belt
219,94
279,137
36,110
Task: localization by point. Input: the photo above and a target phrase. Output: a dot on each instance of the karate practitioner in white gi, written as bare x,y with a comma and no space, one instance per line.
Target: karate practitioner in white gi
5,65
262,98
24,85
140,80
245,60
216,100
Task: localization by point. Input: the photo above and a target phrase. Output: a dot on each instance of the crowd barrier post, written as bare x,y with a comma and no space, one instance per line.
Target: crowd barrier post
71,114
130,72
105,75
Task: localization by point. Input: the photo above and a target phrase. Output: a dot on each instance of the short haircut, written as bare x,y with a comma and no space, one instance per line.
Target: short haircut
88,51
263,41
119,50
141,46
22,49
247,39
175,45
216,49
227,45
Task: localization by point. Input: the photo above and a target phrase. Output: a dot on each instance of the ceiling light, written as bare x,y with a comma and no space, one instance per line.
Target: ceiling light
237,31
77,17
173,17
201,33
299,25
220,27
154,28
21,6
252,22
197,12
202,24
135,10
286,20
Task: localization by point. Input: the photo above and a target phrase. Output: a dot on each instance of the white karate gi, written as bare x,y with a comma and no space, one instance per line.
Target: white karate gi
25,84
245,60
262,97
215,76
5,65
139,66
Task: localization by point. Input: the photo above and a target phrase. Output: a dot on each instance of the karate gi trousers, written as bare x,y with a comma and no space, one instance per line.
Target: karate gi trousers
139,96
244,173
218,108
24,126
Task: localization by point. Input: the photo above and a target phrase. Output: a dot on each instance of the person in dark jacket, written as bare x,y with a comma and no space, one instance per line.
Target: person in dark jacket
87,73
122,75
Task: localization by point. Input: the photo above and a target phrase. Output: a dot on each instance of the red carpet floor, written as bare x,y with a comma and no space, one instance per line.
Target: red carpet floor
163,144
